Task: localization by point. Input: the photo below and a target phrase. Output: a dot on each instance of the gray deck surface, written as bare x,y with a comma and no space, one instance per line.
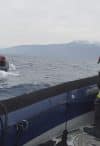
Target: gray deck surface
77,138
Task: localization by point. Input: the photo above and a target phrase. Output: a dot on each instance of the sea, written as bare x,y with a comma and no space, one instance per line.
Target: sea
31,73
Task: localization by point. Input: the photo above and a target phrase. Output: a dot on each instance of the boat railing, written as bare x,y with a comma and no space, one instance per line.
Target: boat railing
25,100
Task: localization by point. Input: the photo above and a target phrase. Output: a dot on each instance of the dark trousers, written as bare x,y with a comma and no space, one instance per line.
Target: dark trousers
97,113
95,131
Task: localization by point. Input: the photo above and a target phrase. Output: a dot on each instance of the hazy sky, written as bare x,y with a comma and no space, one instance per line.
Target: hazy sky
48,21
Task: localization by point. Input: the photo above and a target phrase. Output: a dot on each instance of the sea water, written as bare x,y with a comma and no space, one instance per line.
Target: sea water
27,74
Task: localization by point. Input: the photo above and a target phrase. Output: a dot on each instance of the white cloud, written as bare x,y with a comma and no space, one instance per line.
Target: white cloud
48,21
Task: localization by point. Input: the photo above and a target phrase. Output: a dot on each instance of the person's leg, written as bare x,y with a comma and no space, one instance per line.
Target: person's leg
95,131
97,113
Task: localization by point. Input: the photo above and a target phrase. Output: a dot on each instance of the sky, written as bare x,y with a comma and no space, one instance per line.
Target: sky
48,21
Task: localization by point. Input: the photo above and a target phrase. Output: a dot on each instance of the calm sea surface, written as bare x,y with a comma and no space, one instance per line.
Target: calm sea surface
29,74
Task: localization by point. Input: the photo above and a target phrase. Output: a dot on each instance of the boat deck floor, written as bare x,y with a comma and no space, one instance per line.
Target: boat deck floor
76,138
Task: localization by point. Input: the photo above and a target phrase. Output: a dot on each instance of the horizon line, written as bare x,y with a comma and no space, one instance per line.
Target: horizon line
46,44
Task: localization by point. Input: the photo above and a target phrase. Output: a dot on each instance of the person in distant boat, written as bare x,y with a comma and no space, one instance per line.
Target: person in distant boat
4,64
2,61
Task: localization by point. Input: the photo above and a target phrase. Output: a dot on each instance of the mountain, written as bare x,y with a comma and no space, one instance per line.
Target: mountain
74,50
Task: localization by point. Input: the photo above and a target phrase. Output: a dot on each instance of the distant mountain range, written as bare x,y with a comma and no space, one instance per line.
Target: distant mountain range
73,50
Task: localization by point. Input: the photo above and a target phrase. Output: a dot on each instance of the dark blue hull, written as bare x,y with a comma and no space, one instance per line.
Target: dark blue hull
46,111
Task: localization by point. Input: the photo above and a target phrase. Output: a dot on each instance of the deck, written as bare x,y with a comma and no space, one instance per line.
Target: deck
76,138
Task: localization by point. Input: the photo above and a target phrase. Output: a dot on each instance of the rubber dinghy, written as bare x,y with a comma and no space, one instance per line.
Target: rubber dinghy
4,64
33,119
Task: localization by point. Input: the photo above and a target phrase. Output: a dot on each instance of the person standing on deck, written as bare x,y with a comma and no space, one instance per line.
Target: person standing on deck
97,107
95,131
98,60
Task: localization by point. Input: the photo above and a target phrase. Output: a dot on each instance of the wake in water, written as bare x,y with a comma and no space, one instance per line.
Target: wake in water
12,67
12,72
